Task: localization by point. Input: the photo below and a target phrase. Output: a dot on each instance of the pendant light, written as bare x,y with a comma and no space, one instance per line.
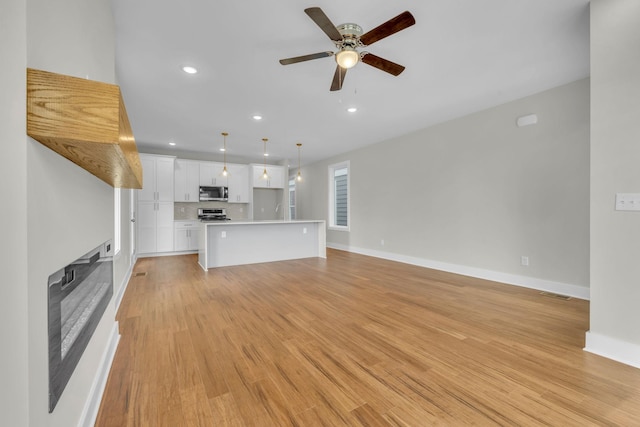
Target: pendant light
224,152
265,175
299,177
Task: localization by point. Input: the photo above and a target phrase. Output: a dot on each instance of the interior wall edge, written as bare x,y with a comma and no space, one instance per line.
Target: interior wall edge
612,348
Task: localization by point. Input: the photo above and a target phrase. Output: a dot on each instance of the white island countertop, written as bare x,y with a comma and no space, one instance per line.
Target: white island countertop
224,243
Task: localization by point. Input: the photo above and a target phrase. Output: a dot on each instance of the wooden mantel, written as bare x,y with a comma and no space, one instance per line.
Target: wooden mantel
86,122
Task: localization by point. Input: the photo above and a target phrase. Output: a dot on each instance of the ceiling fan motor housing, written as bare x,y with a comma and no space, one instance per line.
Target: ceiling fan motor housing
350,33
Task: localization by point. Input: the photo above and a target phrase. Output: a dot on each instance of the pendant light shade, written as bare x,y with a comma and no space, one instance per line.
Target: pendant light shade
224,152
299,177
265,175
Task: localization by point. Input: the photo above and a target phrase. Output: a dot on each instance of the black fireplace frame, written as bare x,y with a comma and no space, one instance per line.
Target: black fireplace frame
60,285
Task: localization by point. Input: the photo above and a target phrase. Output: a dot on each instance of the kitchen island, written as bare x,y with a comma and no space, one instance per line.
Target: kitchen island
223,243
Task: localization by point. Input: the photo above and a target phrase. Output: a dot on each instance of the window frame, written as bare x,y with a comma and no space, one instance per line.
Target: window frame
332,196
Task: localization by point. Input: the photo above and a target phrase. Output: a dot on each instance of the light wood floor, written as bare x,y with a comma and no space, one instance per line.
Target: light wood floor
353,341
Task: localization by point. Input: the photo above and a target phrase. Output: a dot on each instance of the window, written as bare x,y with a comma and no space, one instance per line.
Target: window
292,198
339,196
116,216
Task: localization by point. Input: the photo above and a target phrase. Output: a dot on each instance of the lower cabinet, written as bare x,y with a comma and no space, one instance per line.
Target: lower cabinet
155,227
185,236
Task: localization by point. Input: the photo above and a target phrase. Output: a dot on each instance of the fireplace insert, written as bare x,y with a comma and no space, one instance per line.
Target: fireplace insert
78,296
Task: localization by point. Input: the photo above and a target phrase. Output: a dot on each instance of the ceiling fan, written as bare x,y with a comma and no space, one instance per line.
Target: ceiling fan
348,38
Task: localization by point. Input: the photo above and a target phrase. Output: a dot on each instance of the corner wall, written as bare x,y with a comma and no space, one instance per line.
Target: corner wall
69,211
474,194
14,320
615,150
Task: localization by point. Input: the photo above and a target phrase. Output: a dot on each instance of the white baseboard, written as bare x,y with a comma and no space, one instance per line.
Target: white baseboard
92,405
613,348
581,292
123,286
156,254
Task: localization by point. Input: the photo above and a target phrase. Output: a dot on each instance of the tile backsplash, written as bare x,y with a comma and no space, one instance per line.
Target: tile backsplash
235,211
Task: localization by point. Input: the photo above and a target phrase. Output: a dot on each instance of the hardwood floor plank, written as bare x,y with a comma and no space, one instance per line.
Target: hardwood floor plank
352,341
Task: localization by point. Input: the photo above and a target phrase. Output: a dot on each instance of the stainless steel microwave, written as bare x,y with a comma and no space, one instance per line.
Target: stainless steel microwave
208,194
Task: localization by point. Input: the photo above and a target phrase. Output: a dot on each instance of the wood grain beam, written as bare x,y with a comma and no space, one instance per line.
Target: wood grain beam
86,122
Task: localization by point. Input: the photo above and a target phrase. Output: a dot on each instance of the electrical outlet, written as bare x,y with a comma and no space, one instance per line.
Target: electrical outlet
241,209
182,210
524,260
223,234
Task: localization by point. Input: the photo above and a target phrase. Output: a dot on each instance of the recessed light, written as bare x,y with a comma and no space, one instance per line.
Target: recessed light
189,70
222,149
257,117
172,143
266,154
352,109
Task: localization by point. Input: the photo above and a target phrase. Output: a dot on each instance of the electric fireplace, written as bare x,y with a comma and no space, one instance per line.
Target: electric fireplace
78,296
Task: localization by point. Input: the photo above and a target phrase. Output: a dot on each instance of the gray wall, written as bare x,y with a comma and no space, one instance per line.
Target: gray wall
476,193
14,320
53,211
615,150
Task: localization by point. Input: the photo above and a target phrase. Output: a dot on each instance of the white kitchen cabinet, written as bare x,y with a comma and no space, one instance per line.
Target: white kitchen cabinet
155,205
275,180
238,181
155,227
211,174
186,181
157,178
186,236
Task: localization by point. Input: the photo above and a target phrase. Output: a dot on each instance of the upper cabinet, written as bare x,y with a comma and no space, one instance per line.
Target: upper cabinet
275,180
211,174
187,181
238,180
158,175
86,122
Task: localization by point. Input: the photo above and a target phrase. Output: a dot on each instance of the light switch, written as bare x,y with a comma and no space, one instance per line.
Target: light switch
304,230
628,201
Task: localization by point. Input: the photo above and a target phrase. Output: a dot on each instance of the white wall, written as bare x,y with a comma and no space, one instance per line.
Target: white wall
615,151
475,194
123,262
14,320
69,210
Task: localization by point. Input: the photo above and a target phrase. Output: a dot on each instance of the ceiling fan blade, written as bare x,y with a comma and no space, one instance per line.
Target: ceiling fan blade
392,26
323,22
338,78
303,58
382,64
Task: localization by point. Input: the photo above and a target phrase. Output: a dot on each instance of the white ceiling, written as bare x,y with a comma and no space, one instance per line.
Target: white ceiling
461,56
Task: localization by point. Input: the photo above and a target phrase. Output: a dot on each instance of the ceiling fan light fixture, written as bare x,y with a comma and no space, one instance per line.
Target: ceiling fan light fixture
347,57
